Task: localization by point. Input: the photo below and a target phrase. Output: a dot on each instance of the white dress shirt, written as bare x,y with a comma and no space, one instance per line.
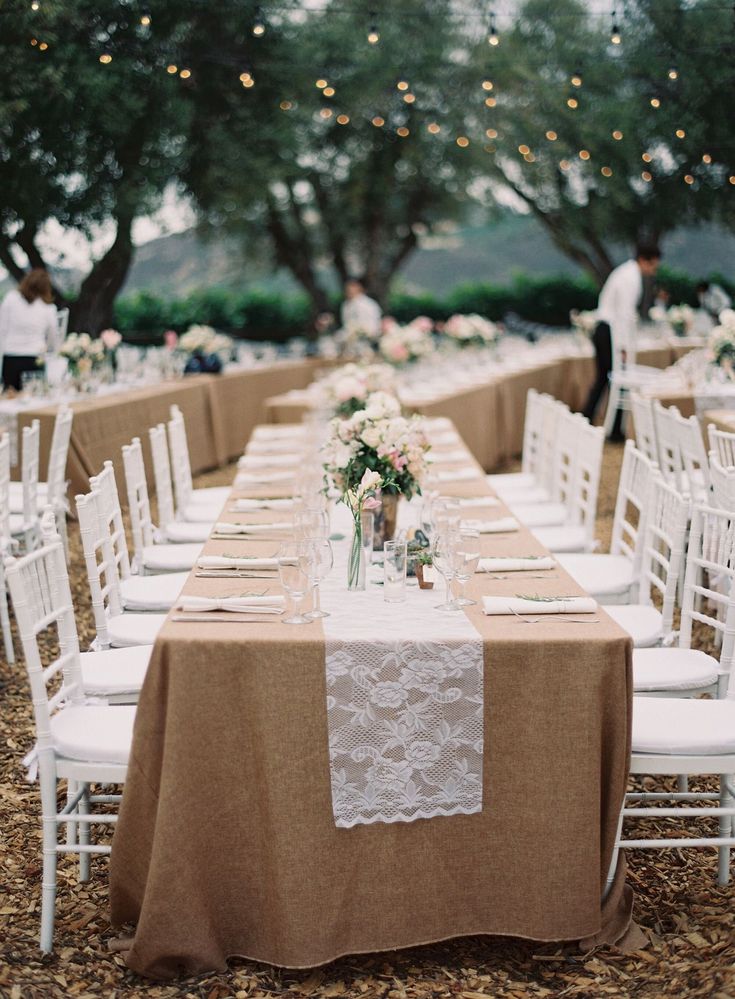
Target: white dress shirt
361,313
618,306
26,328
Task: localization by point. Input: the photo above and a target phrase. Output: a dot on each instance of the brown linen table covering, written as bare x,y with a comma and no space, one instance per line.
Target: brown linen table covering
723,419
226,843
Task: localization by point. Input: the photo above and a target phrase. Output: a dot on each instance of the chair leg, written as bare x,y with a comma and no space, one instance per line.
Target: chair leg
616,852
48,885
726,823
84,836
613,403
71,827
682,783
5,621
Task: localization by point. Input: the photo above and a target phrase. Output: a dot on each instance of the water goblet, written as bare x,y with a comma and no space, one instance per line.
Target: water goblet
444,560
311,522
321,560
293,571
467,557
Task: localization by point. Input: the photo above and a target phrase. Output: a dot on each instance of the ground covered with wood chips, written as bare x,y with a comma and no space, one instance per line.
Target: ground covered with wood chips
689,919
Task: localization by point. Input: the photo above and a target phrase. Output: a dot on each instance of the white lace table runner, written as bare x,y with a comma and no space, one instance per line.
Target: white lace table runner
404,705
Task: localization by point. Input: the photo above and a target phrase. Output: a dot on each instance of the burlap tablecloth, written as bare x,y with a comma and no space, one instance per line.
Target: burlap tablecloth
226,843
723,419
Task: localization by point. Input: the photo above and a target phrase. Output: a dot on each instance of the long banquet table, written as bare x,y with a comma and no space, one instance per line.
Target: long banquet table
226,843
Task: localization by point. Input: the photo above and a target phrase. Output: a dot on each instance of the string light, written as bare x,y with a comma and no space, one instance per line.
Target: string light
487,84
402,85
706,158
463,141
402,131
326,113
572,103
523,150
606,171
688,179
655,102
145,20
673,73
551,135
246,78
343,119
584,154
576,80
529,158
185,74
492,37
731,178
285,105
490,102
373,35
105,58
646,157
433,128
329,91
615,33
43,46
409,98
680,133
617,135
564,164
174,69
35,5
321,83
646,176
258,22
491,133
34,41
378,121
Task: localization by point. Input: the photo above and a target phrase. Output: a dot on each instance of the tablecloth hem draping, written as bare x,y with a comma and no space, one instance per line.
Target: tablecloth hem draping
421,814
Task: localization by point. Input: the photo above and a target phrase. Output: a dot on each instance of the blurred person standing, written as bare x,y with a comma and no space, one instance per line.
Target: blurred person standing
28,327
360,313
713,299
617,321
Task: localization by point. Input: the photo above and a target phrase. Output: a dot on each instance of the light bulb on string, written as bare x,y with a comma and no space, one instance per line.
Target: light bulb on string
43,46
688,179
433,128
402,85
551,135
373,35
185,74
655,102
606,171
731,178
706,158
462,141
576,80
378,121
258,28
492,37
680,133
646,176
615,33
321,83
617,135
35,5
572,103
402,131
329,91
673,73
145,19
487,84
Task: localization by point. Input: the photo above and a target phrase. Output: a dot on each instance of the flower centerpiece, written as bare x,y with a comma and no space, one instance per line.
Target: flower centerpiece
681,319
378,439
584,322
721,346
406,344
208,350
84,354
471,330
344,390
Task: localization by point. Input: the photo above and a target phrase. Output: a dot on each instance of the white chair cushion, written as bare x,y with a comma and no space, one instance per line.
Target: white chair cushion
563,539
134,629
673,669
180,532
152,593
115,671
599,575
539,514
16,496
170,558
683,726
514,480
96,734
524,494
211,495
641,621
202,513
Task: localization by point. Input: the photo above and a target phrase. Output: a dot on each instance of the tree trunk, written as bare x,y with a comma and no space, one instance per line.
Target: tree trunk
93,309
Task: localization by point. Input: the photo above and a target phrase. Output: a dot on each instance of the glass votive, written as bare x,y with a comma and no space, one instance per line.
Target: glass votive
394,571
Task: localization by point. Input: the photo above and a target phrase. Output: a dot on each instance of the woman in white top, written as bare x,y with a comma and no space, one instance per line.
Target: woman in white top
28,326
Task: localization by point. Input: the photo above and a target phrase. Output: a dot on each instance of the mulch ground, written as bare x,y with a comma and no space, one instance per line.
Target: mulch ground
689,919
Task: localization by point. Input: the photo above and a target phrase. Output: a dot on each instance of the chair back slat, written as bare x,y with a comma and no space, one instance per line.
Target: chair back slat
587,466
628,531
4,491
682,457
645,427
162,476
180,461
111,516
56,475
722,480
663,549
139,505
723,444
99,559
29,474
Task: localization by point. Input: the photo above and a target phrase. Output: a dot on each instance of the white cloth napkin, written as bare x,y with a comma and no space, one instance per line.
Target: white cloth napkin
262,478
222,527
447,457
519,605
232,562
441,439
471,501
275,432
458,474
500,526
271,446
238,605
248,505
514,564
268,460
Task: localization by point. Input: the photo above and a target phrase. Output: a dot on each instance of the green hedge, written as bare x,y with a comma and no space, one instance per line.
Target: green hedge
260,315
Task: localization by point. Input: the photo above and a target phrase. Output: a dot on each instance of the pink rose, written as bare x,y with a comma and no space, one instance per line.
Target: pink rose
171,339
370,503
398,461
110,338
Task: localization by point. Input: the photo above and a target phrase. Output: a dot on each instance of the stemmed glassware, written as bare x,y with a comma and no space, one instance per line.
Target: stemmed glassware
320,562
312,522
444,559
293,571
467,557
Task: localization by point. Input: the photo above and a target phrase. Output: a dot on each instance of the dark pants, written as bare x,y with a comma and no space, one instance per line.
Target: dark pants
13,367
602,342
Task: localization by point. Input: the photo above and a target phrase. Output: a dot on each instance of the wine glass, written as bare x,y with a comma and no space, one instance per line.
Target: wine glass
444,559
321,560
311,522
445,514
467,553
293,571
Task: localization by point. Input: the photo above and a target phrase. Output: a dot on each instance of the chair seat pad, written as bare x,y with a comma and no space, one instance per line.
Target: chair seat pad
524,494
211,495
181,532
539,514
673,669
115,671
512,480
152,593
98,734
16,496
170,558
134,629
599,575
202,513
562,539
683,726
17,523
641,621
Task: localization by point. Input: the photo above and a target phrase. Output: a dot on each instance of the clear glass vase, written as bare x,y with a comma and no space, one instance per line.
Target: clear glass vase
386,518
361,550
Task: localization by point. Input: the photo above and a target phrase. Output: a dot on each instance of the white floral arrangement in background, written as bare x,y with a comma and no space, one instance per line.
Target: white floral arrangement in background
679,317
406,344
471,330
344,390
83,353
205,340
721,345
584,322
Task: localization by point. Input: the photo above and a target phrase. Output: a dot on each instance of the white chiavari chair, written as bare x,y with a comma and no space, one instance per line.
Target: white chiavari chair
644,426
53,490
25,526
722,480
539,482
723,444
79,743
115,627
661,568
614,578
169,528
6,545
150,557
683,460
209,500
693,736
155,593
625,379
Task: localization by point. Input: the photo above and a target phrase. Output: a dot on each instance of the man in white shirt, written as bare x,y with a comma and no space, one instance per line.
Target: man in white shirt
360,314
617,321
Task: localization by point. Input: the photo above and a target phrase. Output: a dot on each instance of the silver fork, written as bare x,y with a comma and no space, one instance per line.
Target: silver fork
554,619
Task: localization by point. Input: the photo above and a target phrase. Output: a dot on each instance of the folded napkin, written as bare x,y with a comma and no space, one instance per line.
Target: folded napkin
520,605
449,457
293,432
233,562
471,501
247,505
515,564
458,474
239,605
222,527
441,439
268,460
275,446
262,478
499,526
